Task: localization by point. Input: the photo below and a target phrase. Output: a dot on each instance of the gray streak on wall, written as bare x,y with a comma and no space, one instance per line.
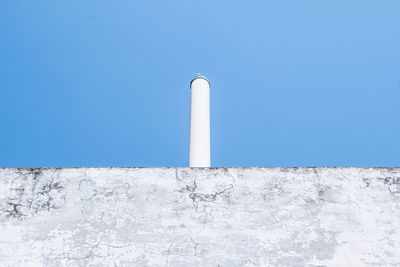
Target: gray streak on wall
200,217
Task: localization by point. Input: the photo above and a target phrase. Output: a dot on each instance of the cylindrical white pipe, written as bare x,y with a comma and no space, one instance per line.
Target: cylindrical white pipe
200,155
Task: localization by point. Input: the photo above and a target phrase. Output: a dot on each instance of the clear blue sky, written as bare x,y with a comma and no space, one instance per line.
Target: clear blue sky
106,83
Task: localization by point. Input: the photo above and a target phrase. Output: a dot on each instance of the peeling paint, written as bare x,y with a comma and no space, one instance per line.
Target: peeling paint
200,217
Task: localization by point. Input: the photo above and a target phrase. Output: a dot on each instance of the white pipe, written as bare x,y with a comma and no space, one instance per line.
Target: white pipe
200,155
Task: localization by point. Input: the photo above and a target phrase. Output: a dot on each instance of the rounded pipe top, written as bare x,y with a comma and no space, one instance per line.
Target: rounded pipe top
199,77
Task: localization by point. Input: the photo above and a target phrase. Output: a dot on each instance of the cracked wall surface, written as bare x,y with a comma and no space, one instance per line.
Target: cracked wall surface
200,217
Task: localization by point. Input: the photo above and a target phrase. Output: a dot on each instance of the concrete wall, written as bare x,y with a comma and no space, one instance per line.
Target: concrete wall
200,217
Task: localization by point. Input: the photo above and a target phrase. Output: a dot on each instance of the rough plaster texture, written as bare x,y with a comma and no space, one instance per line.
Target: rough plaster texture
200,217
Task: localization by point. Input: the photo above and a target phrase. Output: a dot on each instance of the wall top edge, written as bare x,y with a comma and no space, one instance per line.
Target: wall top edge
198,168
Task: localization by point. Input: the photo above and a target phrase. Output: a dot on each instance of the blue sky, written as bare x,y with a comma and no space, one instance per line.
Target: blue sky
106,83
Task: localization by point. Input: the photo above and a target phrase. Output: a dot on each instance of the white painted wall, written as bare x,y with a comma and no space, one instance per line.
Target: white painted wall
283,217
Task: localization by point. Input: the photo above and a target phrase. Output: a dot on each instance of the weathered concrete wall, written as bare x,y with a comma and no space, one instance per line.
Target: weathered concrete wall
200,217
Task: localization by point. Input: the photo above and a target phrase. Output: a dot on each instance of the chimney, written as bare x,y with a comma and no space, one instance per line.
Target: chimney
199,154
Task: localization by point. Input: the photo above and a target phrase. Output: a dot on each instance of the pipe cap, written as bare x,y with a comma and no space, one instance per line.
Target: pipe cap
199,77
